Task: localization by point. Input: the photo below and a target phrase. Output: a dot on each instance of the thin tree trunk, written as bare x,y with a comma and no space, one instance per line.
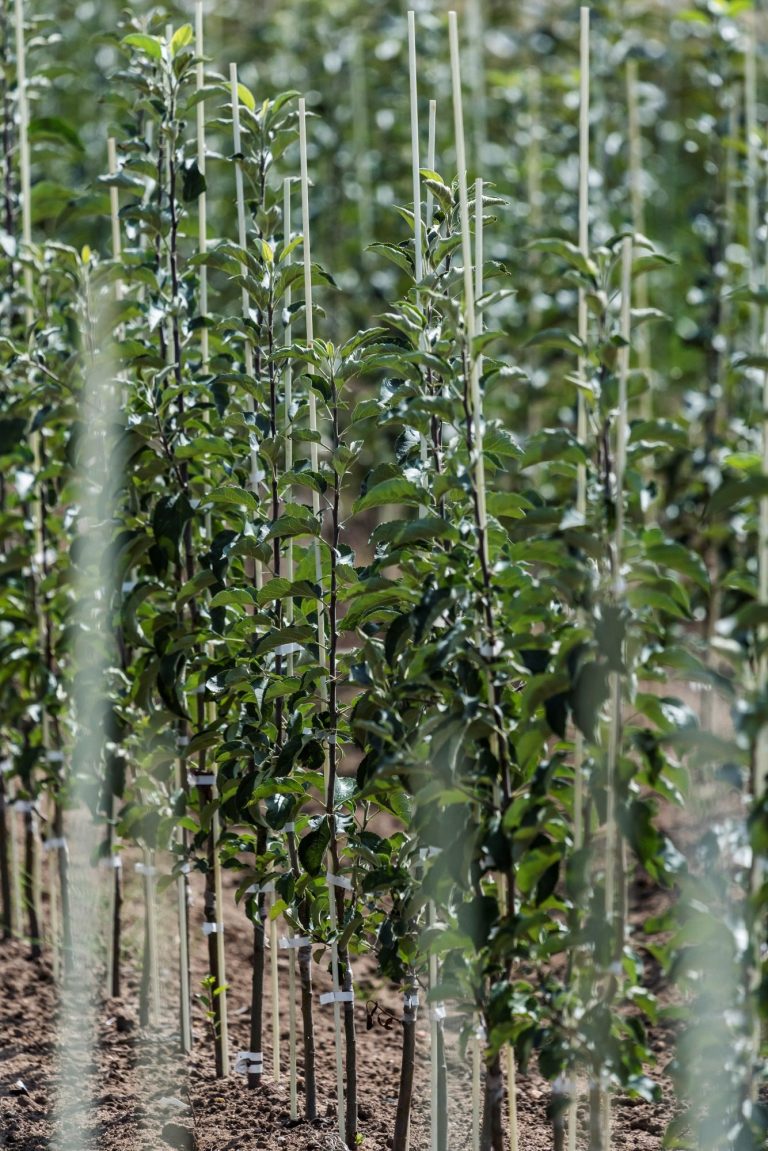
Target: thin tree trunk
493,1111
5,864
308,1029
350,1044
212,911
145,972
442,1091
30,892
257,979
407,1066
66,911
595,1116
116,930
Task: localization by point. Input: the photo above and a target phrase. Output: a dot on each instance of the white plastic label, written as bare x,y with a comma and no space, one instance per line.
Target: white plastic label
208,779
338,881
249,1061
337,997
295,941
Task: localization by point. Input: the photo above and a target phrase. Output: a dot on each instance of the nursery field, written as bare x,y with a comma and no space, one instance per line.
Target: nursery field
384,576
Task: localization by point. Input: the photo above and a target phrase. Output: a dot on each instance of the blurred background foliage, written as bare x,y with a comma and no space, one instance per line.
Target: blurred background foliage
520,73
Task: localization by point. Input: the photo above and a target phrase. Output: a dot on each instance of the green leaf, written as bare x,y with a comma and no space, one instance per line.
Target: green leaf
56,130
556,338
568,252
246,97
180,39
425,530
508,504
680,559
294,525
193,184
12,433
285,637
396,255
232,497
553,444
312,848
170,681
397,490
150,45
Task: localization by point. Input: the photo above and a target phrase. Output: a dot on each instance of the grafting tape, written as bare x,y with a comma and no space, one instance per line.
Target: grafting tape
54,844
207,779
5,766
437,1012
23,806
295,941
338,881
265,889
337,997
289,828
411,1000
212,928
54,756
145,869
249,1061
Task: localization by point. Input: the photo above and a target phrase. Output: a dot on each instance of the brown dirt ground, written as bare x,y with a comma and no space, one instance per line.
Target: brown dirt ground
127,1088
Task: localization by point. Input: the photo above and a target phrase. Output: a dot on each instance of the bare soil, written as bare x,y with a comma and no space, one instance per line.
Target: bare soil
127,1088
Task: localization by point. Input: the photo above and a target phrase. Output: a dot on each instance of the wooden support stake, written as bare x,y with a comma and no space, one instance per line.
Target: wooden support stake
321,638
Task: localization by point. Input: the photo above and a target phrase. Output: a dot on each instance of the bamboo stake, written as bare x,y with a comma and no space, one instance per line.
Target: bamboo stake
289,613
321,640
182,883
202,200
581,431
432,132
418,256
115,877
415,168
361,140
480,1029
469,292
245,298
637,202
469,296
760,756
476,69
753,143
533,163
24,161
583,332
494,1087
275,985
38,567
615,928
